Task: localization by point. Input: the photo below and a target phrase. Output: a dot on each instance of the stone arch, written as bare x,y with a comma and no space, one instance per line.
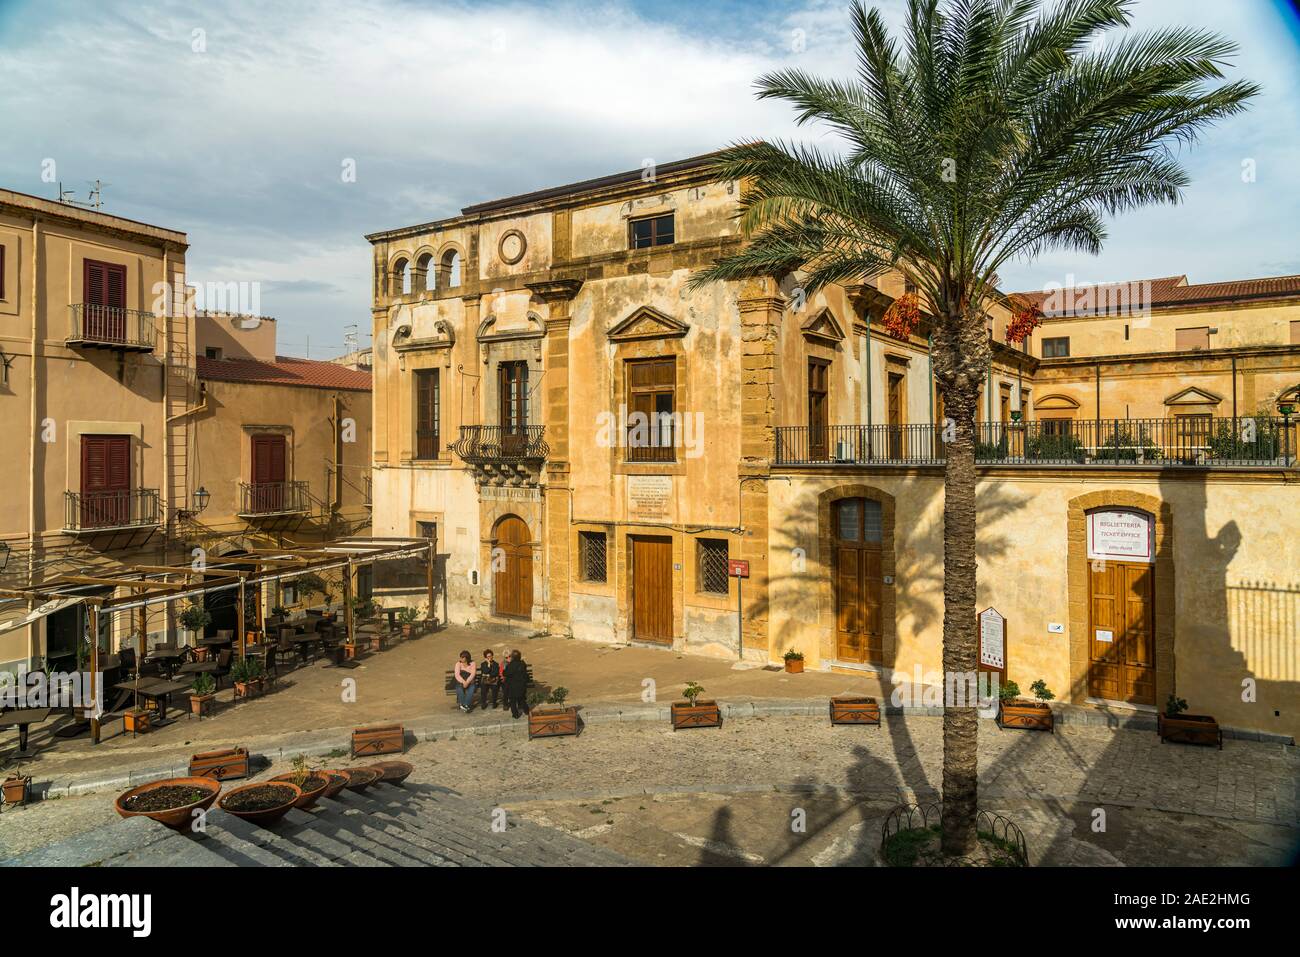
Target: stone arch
400,274
1077,570
451,266
824,572
424,274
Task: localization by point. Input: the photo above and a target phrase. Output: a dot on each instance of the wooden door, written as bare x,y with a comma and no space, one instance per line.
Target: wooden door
652,590
1122,633
895,407
856,566
269,471
818,418
105,480
512,569
104,310
940,415
512,383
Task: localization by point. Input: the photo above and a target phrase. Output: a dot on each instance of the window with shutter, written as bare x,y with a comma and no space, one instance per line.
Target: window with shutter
428,400
104,309
651,403
105,480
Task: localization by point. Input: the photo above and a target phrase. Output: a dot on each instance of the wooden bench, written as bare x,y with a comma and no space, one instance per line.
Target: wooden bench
449,684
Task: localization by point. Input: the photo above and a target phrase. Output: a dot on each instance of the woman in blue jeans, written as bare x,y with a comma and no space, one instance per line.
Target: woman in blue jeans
464,674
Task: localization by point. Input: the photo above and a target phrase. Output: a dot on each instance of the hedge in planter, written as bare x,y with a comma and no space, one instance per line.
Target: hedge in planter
1174,724
694,713
557,721
1016,712
794,662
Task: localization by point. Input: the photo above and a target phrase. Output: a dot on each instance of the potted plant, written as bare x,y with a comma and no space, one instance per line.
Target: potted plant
1174,724
694,713
408,616
194,618
262,802
279,613
794,662
427,620
171,801
239,676
547,722
1015,712
256,675
202,693
136,720
311,782
17,789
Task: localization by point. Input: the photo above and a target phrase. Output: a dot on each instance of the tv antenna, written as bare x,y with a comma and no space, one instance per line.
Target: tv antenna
95,201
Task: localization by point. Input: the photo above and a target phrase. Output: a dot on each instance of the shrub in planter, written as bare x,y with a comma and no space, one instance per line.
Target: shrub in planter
241,674
202,694
794,662
694,713
555,721
194,618
408,616
1175,725
1015,712
311,782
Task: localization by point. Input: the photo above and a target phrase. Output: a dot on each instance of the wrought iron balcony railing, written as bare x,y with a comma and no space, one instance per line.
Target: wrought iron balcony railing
1162,443
494,444
273,498
112,327
100,511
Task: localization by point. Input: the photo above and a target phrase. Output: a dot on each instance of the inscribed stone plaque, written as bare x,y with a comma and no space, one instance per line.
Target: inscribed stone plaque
649,498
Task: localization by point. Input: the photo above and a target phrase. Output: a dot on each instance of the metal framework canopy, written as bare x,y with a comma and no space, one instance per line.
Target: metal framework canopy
163,584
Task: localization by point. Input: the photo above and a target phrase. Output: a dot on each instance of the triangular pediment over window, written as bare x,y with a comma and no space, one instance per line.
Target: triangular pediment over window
1193,396
823,327
647,323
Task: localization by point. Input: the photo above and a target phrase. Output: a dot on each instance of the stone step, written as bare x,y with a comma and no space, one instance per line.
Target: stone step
449,842
261,844
176,850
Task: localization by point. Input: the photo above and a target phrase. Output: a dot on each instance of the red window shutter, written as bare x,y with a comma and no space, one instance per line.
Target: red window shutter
268,459
115,282
2,272
105,463
95,291
105,284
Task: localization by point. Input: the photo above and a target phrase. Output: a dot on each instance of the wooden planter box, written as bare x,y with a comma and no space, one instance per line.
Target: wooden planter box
1031,715
201,704
794,666
1190,729
224,765
16,790
552,722
702,714
855,711
383,739
136,720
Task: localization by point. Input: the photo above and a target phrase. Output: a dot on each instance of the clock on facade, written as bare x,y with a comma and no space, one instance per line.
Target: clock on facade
512,247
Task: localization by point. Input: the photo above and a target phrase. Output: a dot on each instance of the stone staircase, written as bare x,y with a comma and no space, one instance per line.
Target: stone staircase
412,825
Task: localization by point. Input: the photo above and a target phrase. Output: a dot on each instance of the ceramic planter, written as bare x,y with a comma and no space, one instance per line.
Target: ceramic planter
855,710
544,722
407,630
309,796
263,816
177,818
17,789
700,714
393,772
1030,715
1190,729
794,666
349,651
201,704
361,778
338,780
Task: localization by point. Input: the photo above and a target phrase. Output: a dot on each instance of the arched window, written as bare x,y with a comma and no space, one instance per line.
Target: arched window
402,276
450,269
424,274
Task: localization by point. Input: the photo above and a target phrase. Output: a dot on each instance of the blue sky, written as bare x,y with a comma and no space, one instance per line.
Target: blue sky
231,121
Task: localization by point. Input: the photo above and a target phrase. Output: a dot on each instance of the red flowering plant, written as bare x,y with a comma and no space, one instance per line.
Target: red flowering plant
902,316
1025,318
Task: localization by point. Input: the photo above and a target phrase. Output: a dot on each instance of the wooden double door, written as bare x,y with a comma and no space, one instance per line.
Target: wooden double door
856,565
652,589
512,569
1121,632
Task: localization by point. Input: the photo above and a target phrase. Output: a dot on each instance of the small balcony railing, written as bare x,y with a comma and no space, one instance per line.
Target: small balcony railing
100,511
112,327
272,498
1252,441
494,444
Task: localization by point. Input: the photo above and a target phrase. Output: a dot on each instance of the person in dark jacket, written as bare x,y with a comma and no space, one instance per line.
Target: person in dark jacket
516,684
489,680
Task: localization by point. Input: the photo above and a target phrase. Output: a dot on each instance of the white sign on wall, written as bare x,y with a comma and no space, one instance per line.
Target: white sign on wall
1121,534
993,639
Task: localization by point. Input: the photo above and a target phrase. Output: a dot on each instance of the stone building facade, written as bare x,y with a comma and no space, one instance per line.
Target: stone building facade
603,452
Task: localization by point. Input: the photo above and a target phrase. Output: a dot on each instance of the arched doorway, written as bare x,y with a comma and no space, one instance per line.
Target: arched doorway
856,539
512,569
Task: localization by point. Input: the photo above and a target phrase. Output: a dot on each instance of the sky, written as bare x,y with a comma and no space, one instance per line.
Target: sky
236,121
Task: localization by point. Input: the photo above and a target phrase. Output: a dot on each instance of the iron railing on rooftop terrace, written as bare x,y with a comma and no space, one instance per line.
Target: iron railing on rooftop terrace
1245,441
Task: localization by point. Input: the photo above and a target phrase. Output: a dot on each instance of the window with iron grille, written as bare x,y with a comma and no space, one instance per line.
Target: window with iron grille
591,556
654,231
428,409
711,565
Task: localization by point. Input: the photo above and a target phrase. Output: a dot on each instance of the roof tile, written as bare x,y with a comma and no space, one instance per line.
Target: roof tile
285,370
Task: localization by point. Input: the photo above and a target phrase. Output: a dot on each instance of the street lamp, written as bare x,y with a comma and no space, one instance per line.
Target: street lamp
201,496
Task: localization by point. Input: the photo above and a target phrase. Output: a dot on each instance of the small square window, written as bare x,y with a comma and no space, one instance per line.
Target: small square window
288,594
591,556
212,352
711,561
1057,348
654,231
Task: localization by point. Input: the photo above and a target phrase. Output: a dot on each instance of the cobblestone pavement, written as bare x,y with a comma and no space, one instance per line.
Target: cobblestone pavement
729,795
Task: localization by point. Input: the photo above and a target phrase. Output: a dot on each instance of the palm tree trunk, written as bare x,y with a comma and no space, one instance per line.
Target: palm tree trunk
960,724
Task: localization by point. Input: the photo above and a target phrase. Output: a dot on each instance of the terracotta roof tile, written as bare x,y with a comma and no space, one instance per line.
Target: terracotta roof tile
285,370
1167,292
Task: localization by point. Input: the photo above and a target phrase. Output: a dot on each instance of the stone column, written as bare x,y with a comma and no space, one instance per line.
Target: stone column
761,306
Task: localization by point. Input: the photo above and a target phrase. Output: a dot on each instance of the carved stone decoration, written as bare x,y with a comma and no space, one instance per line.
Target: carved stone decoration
823,328
647,322
489,339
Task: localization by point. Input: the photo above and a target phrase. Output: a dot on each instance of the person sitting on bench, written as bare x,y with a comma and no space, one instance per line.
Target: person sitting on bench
464,674
489,680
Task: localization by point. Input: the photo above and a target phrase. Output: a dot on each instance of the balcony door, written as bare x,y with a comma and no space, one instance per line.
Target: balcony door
105,480
896,398
818,417
512,387
104,315
269,458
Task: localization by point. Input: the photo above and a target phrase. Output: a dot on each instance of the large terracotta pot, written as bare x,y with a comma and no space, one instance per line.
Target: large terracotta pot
338,781
361,778
268,815
177,818
393,772
308,797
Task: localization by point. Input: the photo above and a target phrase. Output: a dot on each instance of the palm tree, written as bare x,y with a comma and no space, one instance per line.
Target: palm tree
994,131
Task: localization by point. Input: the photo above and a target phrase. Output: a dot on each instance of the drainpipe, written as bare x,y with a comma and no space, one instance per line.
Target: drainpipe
1097,437
1234,395
35,432
868,362
166,425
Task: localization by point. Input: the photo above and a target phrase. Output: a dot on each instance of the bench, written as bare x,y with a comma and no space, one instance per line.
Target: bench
449,683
